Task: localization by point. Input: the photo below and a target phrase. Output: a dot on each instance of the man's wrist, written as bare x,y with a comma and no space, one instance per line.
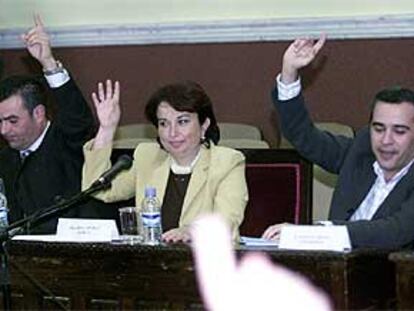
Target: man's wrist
58,77
289,75
53,67
287,91
104,136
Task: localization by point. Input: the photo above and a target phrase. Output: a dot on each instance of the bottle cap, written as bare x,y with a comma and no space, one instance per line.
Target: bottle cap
150,192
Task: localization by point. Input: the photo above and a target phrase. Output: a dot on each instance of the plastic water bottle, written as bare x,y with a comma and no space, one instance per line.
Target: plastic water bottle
4,222
151,217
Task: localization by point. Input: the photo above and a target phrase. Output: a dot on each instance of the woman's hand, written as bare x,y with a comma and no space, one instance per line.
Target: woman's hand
108,110
177,235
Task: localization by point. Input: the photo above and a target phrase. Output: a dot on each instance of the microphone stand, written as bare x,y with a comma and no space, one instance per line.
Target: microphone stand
4,277
55,209
37,217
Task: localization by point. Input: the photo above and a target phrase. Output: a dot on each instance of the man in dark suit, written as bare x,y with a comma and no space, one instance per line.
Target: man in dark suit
374,195
42,163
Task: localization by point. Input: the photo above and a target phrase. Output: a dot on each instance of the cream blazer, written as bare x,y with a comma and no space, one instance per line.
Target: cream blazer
217,184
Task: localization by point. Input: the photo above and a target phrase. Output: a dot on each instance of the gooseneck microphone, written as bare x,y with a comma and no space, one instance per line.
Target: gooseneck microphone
124,162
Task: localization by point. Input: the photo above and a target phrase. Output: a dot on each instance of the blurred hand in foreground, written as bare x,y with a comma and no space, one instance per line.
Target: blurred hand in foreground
253,283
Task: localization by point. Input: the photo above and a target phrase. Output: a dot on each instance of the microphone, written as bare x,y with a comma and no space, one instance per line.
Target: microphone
124,162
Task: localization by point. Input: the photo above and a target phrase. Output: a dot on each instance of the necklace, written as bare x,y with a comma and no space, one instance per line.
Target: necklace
183,169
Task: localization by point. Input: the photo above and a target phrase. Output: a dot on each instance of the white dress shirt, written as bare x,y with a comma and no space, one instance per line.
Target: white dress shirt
378,192
287,91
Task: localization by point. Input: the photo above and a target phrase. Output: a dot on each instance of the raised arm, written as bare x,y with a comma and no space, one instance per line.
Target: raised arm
98,151
73,118
38,44
298,55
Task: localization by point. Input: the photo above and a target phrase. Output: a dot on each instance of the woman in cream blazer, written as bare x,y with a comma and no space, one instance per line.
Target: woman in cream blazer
186,150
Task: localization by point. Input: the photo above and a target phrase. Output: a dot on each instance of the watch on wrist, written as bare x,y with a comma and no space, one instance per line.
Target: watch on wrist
57,69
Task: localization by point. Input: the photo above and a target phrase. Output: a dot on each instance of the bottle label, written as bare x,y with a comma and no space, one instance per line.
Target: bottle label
151,219
3,218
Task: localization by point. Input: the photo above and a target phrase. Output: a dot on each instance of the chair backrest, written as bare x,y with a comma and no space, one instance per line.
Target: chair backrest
280,189
136,130
331,127
239,130
336,128
240,143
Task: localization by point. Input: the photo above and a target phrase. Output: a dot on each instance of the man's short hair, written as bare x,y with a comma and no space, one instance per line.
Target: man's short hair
31,89
393,95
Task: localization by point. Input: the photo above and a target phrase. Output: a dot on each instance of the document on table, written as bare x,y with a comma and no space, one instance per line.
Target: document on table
308,237
252,241
36,237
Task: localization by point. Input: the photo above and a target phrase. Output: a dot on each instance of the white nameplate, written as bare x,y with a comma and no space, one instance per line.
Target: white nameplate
307,237
86,230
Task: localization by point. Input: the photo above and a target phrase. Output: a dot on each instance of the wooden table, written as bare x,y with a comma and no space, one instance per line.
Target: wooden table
361,279
104,276
404,267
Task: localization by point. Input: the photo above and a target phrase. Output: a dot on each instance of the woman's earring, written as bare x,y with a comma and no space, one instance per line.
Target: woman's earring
204,141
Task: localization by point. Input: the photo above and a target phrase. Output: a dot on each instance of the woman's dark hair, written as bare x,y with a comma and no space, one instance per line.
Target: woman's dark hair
185,96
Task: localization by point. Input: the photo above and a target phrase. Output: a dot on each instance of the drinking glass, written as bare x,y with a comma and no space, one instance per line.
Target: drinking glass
130,231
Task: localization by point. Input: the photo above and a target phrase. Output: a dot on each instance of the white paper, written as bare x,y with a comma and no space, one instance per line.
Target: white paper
252,241
86,230
304,237
36,237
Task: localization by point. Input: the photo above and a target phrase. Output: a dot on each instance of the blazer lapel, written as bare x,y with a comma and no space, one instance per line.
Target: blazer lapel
366,180
397,195
159,178
198,179
364,176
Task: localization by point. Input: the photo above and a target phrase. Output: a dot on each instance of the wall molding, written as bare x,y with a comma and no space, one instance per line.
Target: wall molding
392,26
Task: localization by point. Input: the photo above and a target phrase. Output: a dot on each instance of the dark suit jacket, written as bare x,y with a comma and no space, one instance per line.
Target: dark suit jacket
53,172
392,226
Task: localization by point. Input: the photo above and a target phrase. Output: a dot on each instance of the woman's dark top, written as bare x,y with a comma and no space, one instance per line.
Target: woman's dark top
173,200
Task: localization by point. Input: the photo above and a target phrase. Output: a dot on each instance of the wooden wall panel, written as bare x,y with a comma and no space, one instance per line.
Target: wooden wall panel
239,76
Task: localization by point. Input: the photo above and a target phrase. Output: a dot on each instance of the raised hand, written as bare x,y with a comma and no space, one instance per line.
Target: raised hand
253,283
298,55
38,44
106,101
